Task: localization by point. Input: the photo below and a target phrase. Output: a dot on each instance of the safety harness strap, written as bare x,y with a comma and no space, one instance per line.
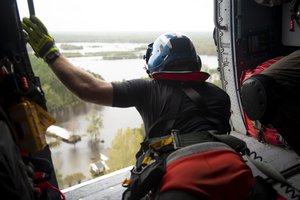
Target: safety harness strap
195,97
176,100
183,140
171,117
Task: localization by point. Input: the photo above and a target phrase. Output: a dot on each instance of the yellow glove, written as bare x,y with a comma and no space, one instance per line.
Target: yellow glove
39,39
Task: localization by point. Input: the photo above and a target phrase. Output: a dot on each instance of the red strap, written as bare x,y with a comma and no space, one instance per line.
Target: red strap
181,76
46,185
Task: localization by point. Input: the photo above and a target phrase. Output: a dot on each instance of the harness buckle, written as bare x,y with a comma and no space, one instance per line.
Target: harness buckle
177,143
157,144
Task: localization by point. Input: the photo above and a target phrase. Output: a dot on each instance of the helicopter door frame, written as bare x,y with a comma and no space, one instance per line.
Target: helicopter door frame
224,35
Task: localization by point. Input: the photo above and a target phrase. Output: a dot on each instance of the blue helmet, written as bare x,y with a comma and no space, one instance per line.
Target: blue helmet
172,56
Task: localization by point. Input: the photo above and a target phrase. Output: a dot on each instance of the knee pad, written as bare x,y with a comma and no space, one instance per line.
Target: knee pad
259,95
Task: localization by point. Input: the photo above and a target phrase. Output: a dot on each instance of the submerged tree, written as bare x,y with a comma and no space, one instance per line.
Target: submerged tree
95,123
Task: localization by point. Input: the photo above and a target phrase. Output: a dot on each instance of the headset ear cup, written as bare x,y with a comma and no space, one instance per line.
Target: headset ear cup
199,62
148,52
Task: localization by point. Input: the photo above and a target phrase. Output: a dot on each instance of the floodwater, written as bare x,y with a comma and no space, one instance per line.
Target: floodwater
73,158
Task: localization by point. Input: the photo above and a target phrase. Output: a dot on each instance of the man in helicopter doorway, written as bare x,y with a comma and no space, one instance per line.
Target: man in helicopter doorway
182,114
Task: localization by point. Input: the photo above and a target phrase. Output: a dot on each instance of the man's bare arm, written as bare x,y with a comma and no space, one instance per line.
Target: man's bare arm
82,83
78,81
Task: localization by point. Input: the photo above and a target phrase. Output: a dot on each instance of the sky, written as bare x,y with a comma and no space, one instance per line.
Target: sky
122,15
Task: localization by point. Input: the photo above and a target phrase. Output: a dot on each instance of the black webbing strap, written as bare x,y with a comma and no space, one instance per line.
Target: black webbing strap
172,117
195,97
176,104
192,94
169,118
31,7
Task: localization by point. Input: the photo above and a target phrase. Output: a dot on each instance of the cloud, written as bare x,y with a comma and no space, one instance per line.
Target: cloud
121,15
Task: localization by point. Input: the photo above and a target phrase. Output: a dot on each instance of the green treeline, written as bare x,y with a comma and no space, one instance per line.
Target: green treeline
57,95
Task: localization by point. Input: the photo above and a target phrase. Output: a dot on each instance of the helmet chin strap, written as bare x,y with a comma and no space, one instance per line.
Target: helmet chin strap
147,71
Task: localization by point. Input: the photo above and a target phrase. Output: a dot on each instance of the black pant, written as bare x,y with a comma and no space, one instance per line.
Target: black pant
286,121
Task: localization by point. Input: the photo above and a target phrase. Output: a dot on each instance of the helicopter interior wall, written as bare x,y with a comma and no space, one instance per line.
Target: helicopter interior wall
258,35
261,38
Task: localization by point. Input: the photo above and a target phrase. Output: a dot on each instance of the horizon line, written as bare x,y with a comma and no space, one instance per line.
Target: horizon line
123,31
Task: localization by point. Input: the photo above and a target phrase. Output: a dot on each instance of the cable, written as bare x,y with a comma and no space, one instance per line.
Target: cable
288,189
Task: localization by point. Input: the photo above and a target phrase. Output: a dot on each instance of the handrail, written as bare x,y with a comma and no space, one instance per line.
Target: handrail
31,7
217,24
